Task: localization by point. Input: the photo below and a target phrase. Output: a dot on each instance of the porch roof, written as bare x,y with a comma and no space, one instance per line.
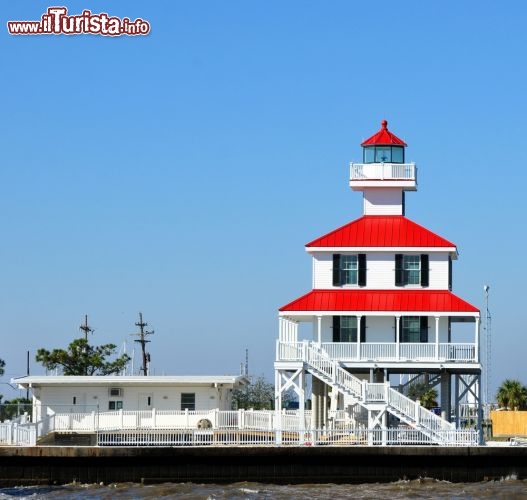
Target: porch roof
126,380
441,301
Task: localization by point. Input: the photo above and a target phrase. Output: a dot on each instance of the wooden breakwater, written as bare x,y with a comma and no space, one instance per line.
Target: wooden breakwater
291,465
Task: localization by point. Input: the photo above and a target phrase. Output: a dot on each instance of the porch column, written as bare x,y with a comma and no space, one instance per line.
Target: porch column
302,404
476,340
315,384
319,330
446,395
359,319
437,338
277,391
397,337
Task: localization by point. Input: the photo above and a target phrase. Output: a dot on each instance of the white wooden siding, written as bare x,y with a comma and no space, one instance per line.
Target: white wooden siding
163,398
383,201
380,270
382,329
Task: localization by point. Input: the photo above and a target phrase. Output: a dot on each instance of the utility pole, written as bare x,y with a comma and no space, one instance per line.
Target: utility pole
142,340
85,328
488,346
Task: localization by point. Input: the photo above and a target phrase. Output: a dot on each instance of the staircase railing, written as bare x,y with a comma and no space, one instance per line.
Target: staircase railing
319,362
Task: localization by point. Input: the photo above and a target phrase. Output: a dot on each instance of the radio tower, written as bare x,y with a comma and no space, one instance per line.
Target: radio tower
488,343
142,340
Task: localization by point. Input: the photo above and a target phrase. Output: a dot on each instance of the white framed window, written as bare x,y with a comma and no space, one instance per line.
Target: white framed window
188,401
411,329
412,269
349,268
115,405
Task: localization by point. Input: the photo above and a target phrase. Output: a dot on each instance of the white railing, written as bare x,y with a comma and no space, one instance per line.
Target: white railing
386,351
383,171
254,427
403,407
417,352
375,392
378,351
14,433
313,437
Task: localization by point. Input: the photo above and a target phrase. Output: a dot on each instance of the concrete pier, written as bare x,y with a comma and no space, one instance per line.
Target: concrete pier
87,464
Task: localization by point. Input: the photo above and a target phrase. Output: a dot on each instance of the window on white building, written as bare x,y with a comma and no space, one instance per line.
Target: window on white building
115,405
345,328
411,270
414,329
188,401
349,269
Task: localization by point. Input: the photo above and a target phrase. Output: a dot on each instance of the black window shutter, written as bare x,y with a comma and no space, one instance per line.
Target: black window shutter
363,329
336,328
450,272
399,269
425,270
336,269
423,329
362,269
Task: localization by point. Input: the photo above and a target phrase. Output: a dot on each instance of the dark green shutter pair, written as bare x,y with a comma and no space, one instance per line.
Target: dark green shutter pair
336,329
361,277
399,271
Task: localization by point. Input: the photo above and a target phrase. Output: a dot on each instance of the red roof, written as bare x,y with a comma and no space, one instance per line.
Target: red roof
380,300
381,231
383,138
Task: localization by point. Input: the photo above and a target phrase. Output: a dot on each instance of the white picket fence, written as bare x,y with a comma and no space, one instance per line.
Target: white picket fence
14,433
242,427
312,437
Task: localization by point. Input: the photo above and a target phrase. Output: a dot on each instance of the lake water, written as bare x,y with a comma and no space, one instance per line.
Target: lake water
508,488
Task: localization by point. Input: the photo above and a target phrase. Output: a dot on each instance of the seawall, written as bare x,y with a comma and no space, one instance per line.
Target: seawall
285,465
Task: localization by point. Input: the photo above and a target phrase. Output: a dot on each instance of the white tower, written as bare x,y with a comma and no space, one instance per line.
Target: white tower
383,177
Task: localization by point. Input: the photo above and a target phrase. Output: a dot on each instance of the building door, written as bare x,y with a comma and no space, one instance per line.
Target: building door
146,401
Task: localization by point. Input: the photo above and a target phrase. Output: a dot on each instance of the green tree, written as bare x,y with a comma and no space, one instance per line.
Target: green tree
14,408
258,395
80,358
427,396
512,395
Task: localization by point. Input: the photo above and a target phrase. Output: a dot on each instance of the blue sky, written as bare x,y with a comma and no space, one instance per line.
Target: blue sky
181,173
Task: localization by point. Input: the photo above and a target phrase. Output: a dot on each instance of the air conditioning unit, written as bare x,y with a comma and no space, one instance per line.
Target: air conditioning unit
116,392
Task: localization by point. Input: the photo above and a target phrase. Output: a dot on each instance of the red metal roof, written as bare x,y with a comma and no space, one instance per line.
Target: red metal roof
383,138
381,231
380,300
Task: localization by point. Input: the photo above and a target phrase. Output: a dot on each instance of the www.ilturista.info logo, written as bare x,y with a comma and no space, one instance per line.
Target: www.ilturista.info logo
56,21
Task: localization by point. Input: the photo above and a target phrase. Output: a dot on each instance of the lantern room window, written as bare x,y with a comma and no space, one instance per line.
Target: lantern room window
383,154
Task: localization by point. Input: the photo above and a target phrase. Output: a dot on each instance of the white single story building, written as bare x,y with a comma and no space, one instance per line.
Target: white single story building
80,394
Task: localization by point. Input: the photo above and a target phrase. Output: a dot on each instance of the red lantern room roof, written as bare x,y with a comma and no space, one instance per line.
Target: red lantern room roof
384,138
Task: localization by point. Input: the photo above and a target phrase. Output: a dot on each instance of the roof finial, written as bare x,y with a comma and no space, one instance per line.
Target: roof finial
384,124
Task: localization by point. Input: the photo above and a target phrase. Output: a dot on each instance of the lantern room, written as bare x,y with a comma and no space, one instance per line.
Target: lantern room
383,166
383,147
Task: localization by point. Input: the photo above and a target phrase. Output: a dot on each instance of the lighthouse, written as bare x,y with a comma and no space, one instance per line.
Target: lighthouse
379,347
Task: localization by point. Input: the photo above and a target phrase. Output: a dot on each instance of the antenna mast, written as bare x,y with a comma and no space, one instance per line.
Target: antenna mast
85,328
142,340
488,344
